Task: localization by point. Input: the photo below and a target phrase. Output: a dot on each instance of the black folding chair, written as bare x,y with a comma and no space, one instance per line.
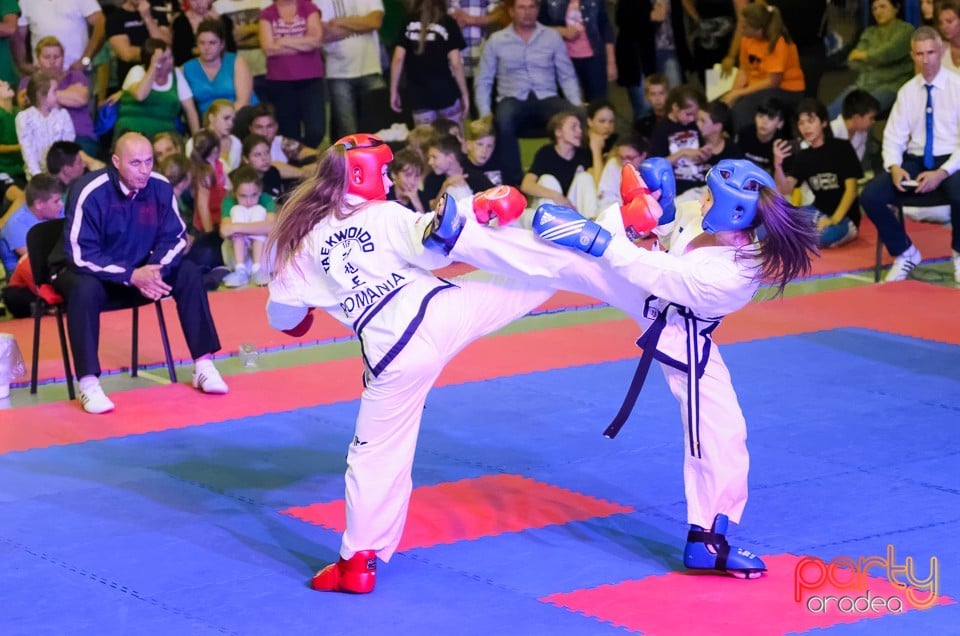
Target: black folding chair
42,239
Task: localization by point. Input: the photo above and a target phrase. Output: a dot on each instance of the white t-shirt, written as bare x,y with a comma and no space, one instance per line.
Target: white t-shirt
243,13
354,56
241,214
858,141
66,20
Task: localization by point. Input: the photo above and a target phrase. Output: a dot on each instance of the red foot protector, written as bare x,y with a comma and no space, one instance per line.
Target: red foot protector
687,603
473,508
356,575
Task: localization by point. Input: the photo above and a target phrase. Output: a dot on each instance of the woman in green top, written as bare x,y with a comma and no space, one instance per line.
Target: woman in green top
154,93
881,57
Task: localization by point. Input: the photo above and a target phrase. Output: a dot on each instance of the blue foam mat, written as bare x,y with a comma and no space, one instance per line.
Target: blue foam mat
853,437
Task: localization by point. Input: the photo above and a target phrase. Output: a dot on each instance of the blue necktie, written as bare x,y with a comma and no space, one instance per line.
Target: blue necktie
928,144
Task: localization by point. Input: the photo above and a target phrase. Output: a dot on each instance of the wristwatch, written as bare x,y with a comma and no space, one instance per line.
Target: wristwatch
85,60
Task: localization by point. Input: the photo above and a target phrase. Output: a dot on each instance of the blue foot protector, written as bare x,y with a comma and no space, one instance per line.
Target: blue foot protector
565,226
709,550
447,225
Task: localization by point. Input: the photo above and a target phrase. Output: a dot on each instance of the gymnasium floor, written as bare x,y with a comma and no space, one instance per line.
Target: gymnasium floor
189,514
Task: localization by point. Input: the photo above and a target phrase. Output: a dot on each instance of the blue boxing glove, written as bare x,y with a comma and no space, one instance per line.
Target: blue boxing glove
565,226
657,173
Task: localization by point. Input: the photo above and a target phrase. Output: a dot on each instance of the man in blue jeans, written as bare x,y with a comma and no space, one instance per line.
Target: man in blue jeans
921,152
527,60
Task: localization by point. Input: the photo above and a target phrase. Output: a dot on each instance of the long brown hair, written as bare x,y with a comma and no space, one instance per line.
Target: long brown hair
427,12
789,243
767,18
317,197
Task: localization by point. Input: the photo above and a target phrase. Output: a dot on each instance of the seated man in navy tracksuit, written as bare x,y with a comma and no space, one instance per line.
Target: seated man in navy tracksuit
123,243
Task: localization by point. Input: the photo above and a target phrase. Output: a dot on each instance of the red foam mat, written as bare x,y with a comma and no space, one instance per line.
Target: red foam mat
474,508
661,605
909,308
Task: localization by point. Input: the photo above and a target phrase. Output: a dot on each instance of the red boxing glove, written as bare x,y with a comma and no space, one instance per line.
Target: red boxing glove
303,327
504,203
631,185
640,216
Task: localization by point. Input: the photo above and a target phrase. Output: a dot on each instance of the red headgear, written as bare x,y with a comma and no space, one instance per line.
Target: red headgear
366,157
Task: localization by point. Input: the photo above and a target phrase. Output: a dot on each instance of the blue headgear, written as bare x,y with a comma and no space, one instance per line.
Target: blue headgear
735,185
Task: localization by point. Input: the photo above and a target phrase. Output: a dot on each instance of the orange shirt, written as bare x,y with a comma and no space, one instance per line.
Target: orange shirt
758,61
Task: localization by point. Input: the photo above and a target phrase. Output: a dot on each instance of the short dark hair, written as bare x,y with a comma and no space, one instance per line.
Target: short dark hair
263,109
447,144
683,96
404,158
212,25
175,168
251,141
245,174
813,106
773,107
719,113
61,155
860,102
42,187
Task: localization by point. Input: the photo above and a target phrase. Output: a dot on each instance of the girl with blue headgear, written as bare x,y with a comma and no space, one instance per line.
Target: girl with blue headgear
714,266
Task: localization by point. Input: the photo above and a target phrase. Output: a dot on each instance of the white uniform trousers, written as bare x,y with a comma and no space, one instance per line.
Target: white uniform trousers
715,482
380,458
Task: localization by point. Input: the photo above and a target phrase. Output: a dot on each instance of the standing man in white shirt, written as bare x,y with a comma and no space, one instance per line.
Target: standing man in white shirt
921,152
351,55
70,21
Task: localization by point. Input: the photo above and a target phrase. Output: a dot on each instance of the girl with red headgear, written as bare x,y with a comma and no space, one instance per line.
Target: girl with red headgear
341,246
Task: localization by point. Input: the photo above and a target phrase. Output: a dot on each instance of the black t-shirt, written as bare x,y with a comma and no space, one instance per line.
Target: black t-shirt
824,170
430,84
120,22
272,183
670,136
491,170
392,196
759,152
547,161
730,151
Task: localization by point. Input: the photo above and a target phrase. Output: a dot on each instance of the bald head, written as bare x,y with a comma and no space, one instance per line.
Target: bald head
133,159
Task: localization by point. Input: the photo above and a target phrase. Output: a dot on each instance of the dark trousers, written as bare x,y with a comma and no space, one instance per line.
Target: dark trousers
301,102
592,73
18,301
879,194
87,296
514,116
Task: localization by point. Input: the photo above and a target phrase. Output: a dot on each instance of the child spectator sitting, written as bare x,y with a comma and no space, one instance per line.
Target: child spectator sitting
449,175
655,91
287,154
219,120
11,161
406,172
20,291
167,143
176,168
561,171
829,167
676,136
247,223
481,140
42,123
714,122
42,203
756,142
631,150
860,111
421,137
256,154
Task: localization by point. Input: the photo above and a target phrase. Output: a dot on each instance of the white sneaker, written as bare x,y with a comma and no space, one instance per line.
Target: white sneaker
237,278
208,380
261,278
956,268
94,400
903,265
851,235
